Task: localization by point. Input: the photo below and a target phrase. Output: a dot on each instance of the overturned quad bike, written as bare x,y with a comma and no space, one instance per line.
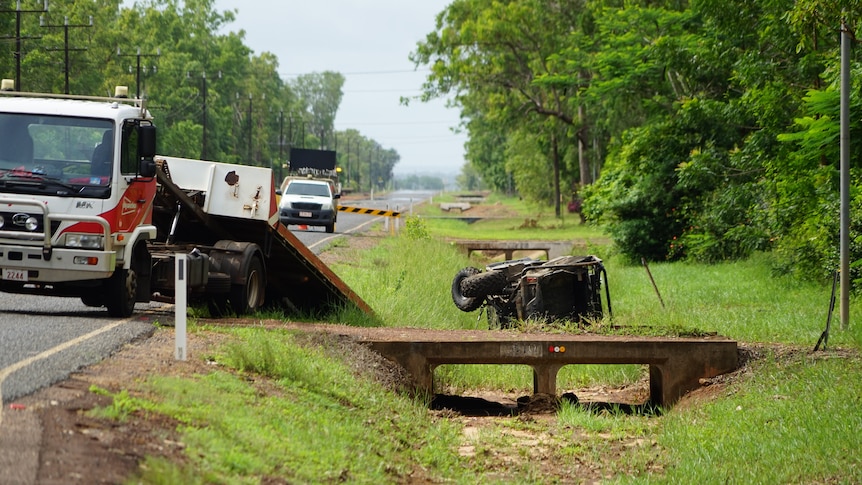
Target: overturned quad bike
564,288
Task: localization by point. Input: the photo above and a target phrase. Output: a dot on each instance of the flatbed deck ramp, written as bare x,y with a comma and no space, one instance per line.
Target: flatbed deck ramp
676,365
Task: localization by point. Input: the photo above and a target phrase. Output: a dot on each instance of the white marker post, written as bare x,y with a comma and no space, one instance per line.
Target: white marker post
180,296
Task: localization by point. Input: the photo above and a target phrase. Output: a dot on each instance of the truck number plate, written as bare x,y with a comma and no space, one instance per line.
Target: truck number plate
15,274
305,214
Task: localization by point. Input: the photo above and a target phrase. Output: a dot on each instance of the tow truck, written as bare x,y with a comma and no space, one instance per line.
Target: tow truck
88,209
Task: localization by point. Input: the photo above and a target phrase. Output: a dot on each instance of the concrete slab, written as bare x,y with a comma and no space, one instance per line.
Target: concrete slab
676,365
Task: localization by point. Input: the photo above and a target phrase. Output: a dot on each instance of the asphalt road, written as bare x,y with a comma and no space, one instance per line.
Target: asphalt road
44,339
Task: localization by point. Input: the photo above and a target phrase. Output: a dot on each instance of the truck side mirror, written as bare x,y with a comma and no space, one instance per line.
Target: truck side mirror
147,150
147,168
146,141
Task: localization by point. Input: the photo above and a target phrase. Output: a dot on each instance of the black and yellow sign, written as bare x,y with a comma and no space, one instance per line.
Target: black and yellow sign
369,212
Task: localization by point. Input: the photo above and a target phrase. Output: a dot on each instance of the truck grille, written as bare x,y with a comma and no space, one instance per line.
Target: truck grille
306,206
14,222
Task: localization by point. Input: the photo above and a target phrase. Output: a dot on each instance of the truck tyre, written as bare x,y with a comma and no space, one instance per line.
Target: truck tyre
330,228
484,284
465,303
93,299
249,297
121,291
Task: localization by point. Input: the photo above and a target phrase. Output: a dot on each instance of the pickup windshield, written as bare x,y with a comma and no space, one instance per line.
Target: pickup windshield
55,155
305,188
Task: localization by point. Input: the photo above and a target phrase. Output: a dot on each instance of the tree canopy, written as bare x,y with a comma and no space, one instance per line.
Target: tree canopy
212,97
702,129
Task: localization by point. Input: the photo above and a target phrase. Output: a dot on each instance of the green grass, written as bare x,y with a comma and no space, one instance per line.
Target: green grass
547,226
310,421
741,300
790,422
281,409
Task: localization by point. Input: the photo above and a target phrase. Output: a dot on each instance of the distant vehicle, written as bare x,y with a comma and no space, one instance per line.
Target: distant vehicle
567,287
310,202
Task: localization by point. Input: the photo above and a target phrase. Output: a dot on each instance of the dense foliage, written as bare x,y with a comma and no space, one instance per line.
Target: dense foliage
211,96
710,127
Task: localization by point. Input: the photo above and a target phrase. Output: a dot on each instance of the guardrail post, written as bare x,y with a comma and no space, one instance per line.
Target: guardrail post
180,296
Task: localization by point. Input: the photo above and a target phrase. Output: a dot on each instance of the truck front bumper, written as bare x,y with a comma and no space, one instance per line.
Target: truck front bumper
306,217
25,264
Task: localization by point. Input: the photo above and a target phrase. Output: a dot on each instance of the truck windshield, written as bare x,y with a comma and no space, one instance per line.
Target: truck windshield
302,188
40,153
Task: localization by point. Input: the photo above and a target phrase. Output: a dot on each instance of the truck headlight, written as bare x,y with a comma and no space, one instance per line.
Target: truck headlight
31,224
85,241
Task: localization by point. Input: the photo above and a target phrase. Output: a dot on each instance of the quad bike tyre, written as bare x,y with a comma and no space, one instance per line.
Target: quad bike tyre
465,303
483,284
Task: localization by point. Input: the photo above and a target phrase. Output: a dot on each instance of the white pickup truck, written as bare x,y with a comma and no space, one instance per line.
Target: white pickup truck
310,202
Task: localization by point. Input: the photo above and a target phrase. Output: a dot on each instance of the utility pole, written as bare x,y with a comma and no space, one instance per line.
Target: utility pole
138,55
250,127
280,144
65,26
844,140
204,151
18,53
348,161
250,122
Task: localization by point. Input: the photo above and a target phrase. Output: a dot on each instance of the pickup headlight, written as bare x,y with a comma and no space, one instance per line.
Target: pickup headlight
85,241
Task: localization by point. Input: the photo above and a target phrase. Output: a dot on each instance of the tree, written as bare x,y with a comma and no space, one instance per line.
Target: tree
321,94
490,56
469,178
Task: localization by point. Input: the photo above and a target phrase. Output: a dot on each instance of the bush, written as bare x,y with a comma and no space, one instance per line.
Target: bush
415,228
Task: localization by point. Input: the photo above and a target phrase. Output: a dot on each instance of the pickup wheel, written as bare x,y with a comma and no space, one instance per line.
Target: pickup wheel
484,284
249,297
465,303
330,228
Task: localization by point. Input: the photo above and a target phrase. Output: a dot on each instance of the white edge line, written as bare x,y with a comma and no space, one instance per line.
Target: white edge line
318,243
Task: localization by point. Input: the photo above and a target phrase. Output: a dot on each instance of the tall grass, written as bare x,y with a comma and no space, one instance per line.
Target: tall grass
740,300
312,421
790,422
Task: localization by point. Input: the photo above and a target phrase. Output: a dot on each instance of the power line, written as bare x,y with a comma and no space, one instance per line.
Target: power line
360,73
395,123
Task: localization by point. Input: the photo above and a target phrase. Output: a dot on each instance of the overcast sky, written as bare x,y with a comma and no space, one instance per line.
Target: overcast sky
368,41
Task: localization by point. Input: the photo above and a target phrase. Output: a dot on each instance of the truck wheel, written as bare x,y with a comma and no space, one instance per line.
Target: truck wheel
483,284
464,303
93,300
249,297
330,228
122,288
